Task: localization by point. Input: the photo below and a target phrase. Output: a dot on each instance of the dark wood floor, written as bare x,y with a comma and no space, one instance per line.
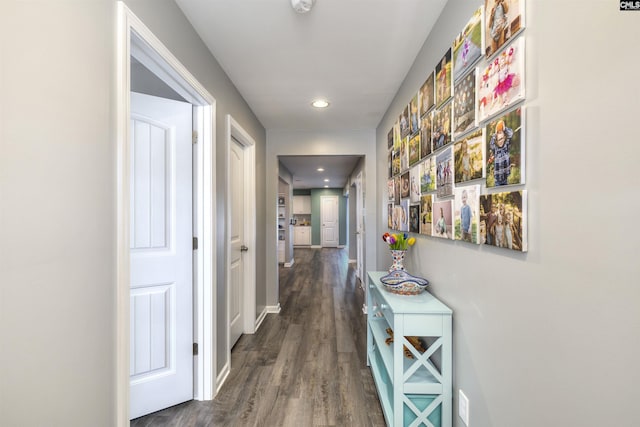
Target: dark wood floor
305,366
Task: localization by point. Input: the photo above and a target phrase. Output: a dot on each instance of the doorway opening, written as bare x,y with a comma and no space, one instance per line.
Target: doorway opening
137,43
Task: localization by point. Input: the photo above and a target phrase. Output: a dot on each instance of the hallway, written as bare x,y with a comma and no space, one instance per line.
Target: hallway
305,366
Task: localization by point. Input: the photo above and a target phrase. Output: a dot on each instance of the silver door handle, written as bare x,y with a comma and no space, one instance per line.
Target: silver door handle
243,248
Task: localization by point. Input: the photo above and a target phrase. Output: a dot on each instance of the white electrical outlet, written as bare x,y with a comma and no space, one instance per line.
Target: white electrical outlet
463,407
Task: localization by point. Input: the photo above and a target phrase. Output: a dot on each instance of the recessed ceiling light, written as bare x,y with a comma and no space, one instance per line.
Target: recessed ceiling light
326,180
326,186
320,169
320,103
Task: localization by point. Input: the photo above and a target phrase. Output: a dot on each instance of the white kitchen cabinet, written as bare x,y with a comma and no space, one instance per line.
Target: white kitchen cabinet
301,205
301,235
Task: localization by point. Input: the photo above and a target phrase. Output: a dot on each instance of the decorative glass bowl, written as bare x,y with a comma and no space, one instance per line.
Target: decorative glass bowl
403,283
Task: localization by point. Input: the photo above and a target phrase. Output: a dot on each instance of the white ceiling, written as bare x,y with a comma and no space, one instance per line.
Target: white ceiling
306,175
355,53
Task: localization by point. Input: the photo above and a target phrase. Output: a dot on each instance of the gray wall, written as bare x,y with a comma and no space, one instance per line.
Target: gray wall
57,201
550,337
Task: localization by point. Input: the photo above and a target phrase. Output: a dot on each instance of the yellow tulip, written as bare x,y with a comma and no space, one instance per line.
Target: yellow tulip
411,241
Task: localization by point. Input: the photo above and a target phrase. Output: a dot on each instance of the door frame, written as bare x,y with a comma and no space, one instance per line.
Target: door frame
135,39
236,132
359,230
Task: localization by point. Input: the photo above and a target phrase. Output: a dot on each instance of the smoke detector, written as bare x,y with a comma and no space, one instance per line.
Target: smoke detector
302,6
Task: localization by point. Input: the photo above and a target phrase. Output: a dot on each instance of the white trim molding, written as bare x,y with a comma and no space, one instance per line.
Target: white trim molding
135,39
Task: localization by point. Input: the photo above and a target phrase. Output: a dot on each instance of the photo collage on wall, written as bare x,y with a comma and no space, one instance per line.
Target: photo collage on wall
462,134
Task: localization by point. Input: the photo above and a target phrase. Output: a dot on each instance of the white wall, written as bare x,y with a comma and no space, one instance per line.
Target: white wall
299,143
57,201
551,337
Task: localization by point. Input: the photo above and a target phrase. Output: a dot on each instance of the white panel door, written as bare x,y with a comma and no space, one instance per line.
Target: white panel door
330,231
359,229
161,358
236,294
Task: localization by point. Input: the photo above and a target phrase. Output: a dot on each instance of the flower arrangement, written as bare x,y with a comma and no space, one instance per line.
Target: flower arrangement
399,242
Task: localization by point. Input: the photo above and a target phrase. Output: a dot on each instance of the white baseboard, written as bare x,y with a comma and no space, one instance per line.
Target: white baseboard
222,377
316,247
275,309
261,318
290,263
353,261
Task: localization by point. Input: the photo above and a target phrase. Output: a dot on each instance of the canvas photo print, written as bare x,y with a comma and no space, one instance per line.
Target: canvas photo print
414,218
414,115
414,178
467,46
395,162
444,173
390,138
466,214
503,220
501,82
504,147
391,190
396,192
503,20
404,154
404,185
390,216
404,215
464,105
441,127
443,219
443,79
414,149
426,214
425,136
428,175
468,157
426,95
390,164
404,122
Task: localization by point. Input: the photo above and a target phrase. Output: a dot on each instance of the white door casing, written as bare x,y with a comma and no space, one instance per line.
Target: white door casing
134,39
236,242
359,229
236,135
161,301
330,230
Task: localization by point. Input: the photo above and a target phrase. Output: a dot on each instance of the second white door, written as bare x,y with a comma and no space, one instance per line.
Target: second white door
330,227
236,290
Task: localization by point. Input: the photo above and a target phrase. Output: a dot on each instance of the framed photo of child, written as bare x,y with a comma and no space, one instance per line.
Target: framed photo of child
505,148
428,175
503,21
404,122
414,114
390,216
395,162
441,127
404,154
501,82
444,173
464,105
426,95
426,214
404,185
414,218
468,156
442,219
443,79
403,215
425,135
414,149
391,190
390,138
468,45
503,220
414,178
396,192
466,214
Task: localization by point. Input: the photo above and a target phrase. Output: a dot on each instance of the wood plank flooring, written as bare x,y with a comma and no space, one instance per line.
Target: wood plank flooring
305,366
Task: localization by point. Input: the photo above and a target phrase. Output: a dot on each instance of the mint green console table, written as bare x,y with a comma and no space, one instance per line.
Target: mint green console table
416,390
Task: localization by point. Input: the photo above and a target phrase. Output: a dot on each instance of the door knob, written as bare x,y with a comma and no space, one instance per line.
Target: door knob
243,248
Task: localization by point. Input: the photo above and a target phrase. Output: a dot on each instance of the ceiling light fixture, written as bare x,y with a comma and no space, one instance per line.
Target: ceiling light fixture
326,180
320,169
302,6
326,186
320,103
